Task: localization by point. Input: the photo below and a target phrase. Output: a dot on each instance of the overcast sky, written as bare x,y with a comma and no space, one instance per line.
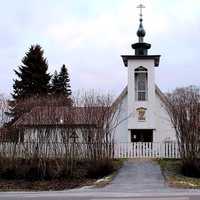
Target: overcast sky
90,35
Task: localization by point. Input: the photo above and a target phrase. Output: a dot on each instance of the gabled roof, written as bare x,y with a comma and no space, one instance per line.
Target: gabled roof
125,92
121,96
162,96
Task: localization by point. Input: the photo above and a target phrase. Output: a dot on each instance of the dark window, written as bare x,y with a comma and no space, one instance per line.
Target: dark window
142,135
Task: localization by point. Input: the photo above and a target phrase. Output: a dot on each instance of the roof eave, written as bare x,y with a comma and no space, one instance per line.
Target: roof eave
56,125
156,59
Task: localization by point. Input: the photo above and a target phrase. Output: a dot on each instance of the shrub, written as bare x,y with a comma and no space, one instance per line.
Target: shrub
99,169
191,168
35,169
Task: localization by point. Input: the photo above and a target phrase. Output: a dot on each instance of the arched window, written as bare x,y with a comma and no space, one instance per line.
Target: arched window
141,84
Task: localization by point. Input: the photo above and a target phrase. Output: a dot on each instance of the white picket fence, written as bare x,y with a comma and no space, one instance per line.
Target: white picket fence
120,150
146,150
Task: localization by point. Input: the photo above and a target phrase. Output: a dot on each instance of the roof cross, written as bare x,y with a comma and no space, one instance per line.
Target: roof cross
141,6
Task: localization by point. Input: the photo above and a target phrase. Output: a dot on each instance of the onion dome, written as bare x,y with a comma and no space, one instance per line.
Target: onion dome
141,32
141,48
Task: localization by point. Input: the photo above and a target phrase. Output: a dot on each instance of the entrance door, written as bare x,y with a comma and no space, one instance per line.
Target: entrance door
142,135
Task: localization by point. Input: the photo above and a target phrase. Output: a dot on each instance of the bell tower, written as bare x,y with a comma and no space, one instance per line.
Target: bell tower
141,88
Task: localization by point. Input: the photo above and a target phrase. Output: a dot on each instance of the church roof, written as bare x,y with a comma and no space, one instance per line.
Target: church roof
161,95
59,116
121,96
125,92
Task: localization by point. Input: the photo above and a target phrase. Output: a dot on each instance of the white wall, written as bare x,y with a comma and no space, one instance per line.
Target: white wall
133,122
121,132
34,135
164,128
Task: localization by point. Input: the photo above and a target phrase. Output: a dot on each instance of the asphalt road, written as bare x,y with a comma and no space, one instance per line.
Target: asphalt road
95,196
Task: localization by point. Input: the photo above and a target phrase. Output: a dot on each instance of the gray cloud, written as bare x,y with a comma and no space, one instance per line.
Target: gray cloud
90,40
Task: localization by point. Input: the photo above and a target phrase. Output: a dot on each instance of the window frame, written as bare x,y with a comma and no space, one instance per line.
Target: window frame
140,93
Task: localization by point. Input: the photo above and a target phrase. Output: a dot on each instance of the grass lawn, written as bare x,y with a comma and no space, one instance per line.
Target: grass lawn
171,169
24,185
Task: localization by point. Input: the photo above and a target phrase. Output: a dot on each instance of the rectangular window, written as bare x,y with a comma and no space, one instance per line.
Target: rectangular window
141,91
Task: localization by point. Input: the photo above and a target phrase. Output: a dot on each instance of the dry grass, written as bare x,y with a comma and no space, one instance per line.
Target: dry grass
171,169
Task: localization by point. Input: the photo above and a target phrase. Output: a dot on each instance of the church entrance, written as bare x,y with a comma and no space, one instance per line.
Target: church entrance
142,135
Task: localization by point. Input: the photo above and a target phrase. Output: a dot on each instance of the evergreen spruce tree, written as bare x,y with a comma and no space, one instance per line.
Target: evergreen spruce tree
61,83
65,81
33,80
55,88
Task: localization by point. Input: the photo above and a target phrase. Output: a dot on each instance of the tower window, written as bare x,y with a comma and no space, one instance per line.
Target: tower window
141,84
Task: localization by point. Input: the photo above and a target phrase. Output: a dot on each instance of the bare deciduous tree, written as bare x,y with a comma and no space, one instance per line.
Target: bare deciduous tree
98,111
184,109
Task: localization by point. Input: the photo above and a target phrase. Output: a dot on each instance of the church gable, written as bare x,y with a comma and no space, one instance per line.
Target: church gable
124,94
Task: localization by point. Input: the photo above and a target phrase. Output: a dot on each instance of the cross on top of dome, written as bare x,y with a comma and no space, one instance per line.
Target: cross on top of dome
141,6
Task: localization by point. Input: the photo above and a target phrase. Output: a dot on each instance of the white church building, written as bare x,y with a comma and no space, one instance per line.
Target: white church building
143,116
